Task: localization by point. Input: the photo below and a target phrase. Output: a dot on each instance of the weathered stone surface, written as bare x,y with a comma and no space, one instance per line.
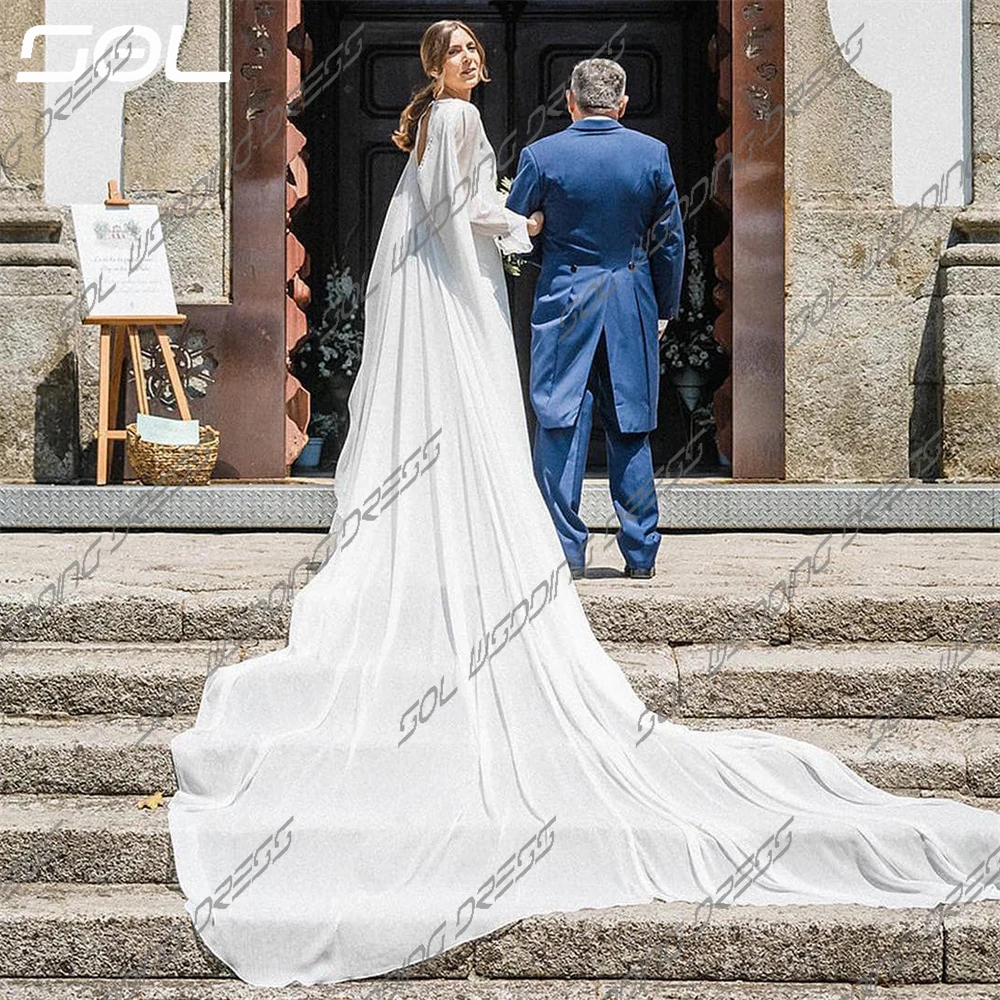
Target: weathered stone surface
970,354
843,586
978,223
54,611
852,161
194,242
485,989
39,280
971,447
841,400
21,104
755,943
37,407
86,839
195,117
891,251
963,279
35,254
972,937
869,680
29,223
985,12
985,64
154,679
849,394
88,757
64,930
865,680
106,839
132,756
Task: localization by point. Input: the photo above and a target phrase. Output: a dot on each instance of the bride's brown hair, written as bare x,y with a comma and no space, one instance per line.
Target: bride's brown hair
433,51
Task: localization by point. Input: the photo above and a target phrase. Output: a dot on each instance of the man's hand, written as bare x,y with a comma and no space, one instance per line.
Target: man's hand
535,222
661,328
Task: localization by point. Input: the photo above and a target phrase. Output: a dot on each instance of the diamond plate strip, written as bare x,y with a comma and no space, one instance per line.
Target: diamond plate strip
798,506
683,506
253,505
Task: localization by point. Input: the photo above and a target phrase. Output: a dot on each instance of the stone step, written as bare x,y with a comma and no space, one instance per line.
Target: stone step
96,755
107,839
96,839
618,610
484,989
68,930
842,680
840,586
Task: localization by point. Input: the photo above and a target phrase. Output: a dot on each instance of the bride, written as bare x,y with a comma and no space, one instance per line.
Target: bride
443,747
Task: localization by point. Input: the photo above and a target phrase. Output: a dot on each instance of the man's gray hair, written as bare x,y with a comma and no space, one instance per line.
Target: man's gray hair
597,84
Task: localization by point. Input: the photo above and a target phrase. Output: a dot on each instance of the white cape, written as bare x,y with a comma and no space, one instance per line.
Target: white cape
443,747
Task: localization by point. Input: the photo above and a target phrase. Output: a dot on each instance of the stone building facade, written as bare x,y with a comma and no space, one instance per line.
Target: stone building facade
854,258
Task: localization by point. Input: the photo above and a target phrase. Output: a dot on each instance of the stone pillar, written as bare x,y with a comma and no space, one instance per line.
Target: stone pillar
38,292
970,352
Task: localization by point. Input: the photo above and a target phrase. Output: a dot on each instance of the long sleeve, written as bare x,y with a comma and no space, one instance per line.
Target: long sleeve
667,244
463,151
525,195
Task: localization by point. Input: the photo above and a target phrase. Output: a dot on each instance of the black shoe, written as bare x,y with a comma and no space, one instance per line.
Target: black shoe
578,572
635,573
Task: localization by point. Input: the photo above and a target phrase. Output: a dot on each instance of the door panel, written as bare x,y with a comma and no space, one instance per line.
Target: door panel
653,42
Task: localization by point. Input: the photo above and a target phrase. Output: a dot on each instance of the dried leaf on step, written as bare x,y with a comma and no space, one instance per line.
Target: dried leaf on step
153,801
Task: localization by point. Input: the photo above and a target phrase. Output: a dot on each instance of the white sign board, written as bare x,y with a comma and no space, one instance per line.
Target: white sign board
124,261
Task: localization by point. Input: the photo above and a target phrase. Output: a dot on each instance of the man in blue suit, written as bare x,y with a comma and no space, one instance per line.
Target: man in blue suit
612,253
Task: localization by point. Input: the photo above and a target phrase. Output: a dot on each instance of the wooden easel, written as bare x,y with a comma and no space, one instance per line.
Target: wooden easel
116,333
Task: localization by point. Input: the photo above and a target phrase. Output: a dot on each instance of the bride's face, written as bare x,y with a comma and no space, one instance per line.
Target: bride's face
461,65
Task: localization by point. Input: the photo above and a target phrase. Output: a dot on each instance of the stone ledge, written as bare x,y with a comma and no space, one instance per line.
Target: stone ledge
67,929
37,255
980,224
22,223
106,839
971,255
97,755
39,280
869,680
970,281
484,989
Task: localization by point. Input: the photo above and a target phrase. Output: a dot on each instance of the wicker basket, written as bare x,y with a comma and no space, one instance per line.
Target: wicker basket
173,464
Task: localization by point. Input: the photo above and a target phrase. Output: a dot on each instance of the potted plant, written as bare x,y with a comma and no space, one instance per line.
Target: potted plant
327,359
697,364
321,425
689,353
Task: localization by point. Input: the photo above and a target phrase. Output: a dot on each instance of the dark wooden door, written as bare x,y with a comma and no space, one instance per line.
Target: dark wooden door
663,47
531,49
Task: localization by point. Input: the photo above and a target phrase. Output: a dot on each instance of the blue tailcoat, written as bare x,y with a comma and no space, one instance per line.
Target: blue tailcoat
612,254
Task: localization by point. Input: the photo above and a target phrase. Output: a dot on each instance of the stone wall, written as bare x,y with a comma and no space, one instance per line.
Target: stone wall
174,136
863,371
20,103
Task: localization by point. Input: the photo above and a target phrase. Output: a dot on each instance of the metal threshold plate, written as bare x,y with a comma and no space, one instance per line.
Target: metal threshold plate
695,504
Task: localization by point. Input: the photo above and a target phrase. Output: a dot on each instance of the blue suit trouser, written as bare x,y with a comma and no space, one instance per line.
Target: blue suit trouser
560,460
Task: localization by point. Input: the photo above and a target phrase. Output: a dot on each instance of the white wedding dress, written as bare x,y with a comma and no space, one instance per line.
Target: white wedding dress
443,747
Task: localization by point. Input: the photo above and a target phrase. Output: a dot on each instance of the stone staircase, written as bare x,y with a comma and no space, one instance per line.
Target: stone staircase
888,657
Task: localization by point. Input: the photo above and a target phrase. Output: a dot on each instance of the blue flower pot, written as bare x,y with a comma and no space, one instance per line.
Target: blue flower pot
309,456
